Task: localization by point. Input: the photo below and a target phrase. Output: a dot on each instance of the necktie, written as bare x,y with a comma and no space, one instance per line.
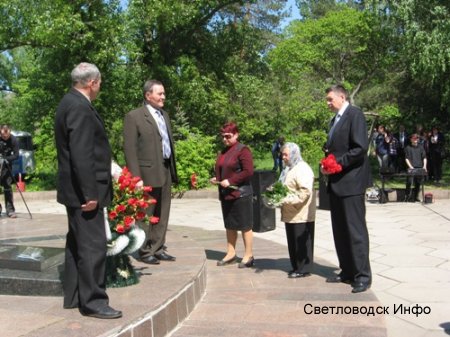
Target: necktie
336,120
164,134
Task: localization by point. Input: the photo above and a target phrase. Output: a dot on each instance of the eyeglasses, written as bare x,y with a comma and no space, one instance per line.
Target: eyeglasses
227,136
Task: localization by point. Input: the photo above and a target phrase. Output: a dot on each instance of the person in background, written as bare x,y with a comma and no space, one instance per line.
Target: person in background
347,141
415,158
382,148
276,154
9,151
392,145
150,155
403,141
436,143
233,173
84,186
298,210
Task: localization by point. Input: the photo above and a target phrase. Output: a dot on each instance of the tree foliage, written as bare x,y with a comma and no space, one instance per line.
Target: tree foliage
225,60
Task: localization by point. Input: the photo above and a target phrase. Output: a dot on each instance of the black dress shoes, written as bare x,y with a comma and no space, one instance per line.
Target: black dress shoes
338,279
106,313
150,260
222,263
250,262
296,274
359,287
165,257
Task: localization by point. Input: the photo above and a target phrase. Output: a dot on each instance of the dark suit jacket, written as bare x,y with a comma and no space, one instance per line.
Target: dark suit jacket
349,144
84,153
143,147
406,139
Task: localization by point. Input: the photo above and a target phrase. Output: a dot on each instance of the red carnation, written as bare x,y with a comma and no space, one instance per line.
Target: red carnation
128,220
142,204
140,215
147,189
154,220
120,208
330,165
132,201
112,215
120,229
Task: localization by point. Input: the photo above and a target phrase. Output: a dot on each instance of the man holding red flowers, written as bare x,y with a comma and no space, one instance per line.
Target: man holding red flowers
347,182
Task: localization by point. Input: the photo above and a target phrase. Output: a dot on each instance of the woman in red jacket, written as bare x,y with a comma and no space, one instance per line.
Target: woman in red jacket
234,170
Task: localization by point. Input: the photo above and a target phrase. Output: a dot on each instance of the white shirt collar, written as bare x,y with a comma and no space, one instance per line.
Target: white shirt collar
342,109
150,108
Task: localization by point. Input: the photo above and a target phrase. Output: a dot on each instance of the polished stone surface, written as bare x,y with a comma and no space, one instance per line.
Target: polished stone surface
250,302
29,258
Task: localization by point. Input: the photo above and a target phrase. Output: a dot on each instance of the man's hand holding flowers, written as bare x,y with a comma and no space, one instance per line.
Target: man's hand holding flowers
329,165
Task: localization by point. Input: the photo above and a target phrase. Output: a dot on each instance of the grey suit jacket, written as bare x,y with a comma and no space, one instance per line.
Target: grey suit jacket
84,153
143,147
349,143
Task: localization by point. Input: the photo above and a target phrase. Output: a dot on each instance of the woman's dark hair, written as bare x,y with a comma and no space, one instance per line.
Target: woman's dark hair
229,127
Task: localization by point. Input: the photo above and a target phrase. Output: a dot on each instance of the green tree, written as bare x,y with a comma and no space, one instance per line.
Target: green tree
421,33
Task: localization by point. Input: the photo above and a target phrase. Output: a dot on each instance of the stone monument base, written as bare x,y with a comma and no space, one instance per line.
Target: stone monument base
32,271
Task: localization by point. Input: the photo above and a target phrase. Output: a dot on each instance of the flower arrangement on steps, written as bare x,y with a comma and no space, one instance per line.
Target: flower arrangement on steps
128,208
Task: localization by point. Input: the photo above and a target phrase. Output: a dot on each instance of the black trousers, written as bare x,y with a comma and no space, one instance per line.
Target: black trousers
351,238
84,270
300,240
6,182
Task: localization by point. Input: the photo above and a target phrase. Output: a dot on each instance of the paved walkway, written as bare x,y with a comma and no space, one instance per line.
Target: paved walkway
410,254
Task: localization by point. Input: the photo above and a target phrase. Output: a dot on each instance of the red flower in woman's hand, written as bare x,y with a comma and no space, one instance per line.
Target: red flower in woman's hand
330,165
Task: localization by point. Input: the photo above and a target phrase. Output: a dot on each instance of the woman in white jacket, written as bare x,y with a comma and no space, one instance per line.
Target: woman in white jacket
298,210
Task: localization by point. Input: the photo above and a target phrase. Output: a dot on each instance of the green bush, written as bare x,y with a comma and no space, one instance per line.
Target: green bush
311,147
195,154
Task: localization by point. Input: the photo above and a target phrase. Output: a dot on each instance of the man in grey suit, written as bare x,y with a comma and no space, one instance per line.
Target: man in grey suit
348,142
150,155
84,187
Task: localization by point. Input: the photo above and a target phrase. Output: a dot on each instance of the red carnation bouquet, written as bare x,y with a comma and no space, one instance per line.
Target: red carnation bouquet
330,165
129,203
128,207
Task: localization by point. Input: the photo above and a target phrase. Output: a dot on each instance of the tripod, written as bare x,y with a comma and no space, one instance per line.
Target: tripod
4,166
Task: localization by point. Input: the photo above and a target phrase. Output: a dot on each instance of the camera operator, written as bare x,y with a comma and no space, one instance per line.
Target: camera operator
9,151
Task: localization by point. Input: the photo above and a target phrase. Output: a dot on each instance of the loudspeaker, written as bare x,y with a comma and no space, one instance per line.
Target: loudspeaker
324,197
263,217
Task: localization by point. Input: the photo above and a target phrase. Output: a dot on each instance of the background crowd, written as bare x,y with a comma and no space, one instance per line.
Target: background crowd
390,146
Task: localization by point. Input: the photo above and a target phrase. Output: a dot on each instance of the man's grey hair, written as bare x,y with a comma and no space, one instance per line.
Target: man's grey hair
148,85
85,72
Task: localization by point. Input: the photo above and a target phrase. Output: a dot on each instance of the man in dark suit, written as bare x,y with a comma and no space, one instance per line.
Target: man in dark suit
150,155
9,152
348,142
84,187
